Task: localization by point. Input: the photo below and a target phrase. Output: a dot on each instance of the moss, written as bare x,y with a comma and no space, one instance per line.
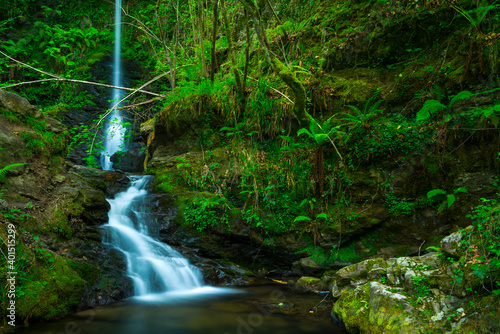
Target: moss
57,110
58,218
87,271
310,280
165,180
53,291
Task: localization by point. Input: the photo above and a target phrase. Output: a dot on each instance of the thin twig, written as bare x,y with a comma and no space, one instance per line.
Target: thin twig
277,91
139,104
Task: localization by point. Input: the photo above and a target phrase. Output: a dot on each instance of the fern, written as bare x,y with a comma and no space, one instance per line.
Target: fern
432,106
3,171
362,117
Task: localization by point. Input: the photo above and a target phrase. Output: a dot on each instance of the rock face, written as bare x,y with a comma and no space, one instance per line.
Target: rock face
408,295
18,104
130,161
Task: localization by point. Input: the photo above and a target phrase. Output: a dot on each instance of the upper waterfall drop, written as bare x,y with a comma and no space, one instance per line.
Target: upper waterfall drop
115,132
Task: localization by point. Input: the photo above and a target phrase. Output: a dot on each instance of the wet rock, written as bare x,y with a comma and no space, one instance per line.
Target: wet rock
109,181
147,128
405,294
477,183
307,266
54,125
130,161
306,284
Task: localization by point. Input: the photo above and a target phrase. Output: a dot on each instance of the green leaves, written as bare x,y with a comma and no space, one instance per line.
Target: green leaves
320,133
439,195
431,107
3,171
301,218
436,195
363,116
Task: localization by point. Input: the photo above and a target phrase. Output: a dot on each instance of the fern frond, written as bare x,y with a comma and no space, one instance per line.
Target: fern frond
460,96
313,125
327,125
304,130
374,108
3,171
430,107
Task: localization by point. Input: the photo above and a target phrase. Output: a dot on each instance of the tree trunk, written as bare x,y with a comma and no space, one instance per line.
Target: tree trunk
214,36
299,108
231,49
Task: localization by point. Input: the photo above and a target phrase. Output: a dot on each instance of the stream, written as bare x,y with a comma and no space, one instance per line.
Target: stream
262,309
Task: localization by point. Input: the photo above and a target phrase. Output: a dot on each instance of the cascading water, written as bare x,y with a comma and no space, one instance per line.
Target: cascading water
153,266
115,132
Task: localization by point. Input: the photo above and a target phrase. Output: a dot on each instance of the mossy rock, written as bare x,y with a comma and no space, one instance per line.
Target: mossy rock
377,308
54,290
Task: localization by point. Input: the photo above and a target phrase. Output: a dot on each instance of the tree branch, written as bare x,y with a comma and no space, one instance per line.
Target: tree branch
59,78
83,82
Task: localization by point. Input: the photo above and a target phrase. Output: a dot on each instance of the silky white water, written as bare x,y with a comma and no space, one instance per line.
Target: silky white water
115,132
155,268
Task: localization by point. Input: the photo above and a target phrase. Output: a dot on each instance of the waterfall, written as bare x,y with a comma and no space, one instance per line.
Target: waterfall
115,132
154,267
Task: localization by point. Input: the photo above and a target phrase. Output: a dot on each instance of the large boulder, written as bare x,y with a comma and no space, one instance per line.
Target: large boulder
411,295
18,104
130,161
452,244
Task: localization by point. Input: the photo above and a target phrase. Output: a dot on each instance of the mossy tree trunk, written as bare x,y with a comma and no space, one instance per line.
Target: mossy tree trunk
299,108
214,37
230,45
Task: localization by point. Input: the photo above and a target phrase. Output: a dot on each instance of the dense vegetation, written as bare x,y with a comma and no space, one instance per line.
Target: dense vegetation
341,122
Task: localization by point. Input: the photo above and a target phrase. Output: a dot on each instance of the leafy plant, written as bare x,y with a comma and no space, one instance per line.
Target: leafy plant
477,15
321,133
439,195
362,117
432,106
398,206
4,170
205,213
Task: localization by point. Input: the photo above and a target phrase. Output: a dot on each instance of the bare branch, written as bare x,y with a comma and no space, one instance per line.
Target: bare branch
83,82
118,103
28,66
140,104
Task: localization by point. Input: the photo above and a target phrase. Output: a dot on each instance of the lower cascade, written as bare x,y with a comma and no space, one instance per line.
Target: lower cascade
153,266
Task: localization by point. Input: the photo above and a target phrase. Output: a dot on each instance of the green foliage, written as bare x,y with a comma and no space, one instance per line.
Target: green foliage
362,117
439,195
477,15
398,206
203,213
485,238
420,287
432,106
320,133
84,136
5,170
